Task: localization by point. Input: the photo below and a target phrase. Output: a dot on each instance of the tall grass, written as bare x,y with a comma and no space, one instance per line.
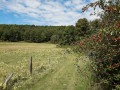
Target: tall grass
15,57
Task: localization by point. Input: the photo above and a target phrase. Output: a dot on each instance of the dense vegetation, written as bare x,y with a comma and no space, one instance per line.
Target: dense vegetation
29,33
55,34
104,47
100,37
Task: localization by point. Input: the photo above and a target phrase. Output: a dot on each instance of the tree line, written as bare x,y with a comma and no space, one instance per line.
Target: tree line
55,34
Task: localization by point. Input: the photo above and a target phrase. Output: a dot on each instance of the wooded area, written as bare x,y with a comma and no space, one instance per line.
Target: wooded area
55,34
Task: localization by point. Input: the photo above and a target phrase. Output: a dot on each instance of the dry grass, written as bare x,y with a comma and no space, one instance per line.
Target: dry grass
59,75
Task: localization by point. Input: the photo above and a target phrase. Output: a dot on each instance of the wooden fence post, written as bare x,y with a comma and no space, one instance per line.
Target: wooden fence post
31,65
49,59
8,80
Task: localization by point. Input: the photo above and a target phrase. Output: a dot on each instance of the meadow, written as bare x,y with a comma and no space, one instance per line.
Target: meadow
66,71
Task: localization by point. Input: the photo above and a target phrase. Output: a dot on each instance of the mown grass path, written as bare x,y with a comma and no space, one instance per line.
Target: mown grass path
61,74
66,76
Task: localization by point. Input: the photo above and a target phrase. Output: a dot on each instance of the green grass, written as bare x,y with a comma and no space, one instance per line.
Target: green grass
60,74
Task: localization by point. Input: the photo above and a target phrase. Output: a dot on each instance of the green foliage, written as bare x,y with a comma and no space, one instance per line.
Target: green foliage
54,39
62,35
68,35
94,26
106,45
82,27
29,33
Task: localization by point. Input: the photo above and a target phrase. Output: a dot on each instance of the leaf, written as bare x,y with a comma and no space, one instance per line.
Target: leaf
116,32
106,82
111,33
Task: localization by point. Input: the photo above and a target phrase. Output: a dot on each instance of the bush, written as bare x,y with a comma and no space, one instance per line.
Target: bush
105,46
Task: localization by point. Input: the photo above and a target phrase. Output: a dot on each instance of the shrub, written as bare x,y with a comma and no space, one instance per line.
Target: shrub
106,46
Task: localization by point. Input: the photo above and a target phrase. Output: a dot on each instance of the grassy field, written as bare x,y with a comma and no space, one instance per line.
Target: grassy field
61,74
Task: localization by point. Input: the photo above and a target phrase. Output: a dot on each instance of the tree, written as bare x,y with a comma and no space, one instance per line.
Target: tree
106,45
82,28
94,26
54,39
43,37
26,36
68,35
30,33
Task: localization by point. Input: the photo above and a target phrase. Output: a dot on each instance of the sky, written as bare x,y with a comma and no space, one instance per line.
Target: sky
45,12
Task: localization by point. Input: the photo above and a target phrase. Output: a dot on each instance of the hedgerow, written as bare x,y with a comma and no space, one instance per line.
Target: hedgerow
106,45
